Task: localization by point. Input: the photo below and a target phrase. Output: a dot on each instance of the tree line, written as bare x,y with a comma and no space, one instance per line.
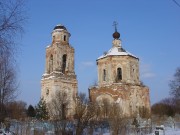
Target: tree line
170,105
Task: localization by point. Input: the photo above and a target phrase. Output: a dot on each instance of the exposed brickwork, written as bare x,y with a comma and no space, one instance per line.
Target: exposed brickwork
59,70
118,81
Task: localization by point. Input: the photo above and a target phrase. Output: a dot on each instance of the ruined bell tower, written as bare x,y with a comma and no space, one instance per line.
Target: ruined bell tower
59,68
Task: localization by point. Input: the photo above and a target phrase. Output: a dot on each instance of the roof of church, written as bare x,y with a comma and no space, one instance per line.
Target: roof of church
116,51
60,26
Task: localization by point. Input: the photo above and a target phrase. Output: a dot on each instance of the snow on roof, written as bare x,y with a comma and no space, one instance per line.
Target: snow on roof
48,46
116,51
59,25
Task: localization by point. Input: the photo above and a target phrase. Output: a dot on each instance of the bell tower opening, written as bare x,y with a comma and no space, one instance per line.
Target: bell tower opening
104,75
64,37
51,64
64,59
119,74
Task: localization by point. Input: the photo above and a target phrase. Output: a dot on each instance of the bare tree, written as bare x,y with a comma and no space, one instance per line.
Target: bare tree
117,120
85,111
16,110
12,19
175,85
161,109
175,89
144,112
58,108
8,84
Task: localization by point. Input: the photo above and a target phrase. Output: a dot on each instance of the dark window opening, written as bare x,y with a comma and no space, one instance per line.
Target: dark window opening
51,64
64,37
47,92
119,74
64,63
104,75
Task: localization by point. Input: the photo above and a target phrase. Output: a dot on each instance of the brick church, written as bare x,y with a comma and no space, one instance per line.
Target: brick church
118,74
118,79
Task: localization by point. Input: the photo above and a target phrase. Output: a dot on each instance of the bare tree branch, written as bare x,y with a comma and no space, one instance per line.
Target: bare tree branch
175,85
12,19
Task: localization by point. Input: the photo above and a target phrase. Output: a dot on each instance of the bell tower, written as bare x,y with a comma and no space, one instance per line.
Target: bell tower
60,54
59,68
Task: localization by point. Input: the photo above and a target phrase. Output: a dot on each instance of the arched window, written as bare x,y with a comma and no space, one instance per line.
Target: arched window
64,58
104,75
64,37
119,74
51,64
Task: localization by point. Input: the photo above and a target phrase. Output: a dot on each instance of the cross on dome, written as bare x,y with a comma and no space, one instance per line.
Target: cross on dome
116,35
115,25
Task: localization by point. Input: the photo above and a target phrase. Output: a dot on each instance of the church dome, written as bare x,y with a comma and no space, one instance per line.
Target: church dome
59,26
116,35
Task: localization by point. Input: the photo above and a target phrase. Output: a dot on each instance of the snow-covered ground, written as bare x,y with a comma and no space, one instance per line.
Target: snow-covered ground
167,132
172,132
170,129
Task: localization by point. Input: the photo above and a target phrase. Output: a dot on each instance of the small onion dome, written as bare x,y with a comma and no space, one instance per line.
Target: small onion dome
60,27
116,35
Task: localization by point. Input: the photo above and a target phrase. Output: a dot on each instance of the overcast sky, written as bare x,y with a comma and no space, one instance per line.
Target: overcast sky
149,29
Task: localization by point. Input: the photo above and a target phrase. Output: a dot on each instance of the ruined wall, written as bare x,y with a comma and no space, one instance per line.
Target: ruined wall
129,97
57,51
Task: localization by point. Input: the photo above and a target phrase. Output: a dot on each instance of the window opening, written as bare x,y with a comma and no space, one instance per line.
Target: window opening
64,63
119,74
104,75
64,37
51,64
